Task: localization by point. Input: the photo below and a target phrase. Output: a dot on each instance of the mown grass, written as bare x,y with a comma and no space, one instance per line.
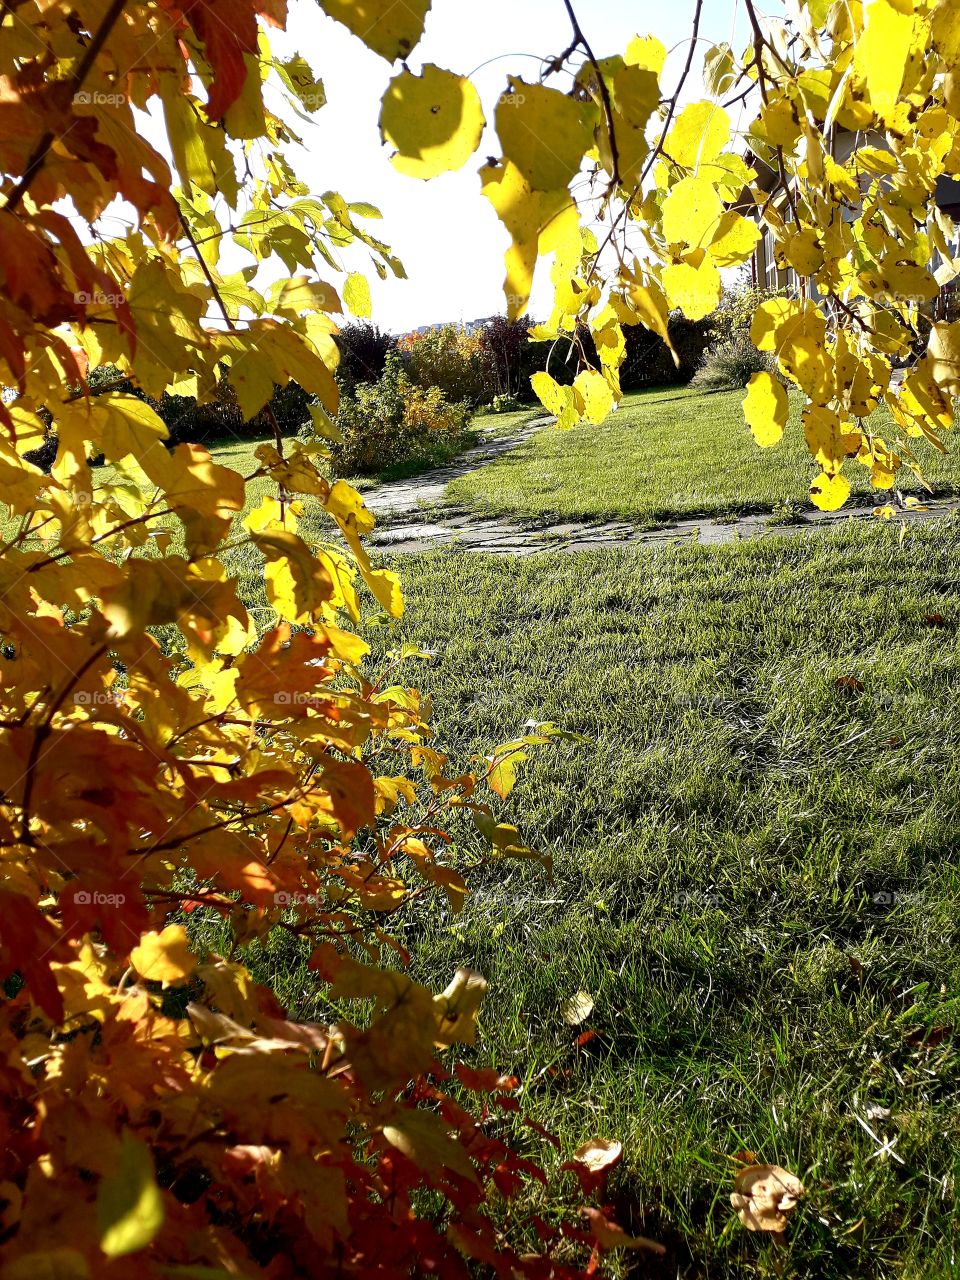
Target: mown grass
665,454
757,878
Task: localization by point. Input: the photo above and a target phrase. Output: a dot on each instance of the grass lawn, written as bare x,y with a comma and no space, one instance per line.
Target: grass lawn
757,878
664,454
757,865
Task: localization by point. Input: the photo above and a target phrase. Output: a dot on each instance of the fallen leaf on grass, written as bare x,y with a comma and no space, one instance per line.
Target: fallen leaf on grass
849,684
599,1155
577,1009
763,1196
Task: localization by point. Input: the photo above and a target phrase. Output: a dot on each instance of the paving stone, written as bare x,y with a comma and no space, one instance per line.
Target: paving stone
494,536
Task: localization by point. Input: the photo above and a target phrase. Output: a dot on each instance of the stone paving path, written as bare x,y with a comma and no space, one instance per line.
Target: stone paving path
409,521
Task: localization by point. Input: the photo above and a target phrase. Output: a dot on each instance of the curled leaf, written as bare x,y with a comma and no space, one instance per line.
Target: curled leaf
592,1162
763,1196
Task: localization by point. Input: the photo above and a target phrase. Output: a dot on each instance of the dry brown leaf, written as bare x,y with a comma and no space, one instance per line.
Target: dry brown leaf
763,1196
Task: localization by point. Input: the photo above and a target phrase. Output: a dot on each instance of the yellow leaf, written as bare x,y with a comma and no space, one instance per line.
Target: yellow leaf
778,321
825,437
802,250
699,134
424,1139
538,223
881,52
943,349
765,408
434,120
577,1008
356,294
779,123
299,585
945,28
563,402
691,212
695,290
636,91
456,1009
647,52
502,777
544,133
651,306
164,957
734,240
389,28
828,492
129,1202
596,395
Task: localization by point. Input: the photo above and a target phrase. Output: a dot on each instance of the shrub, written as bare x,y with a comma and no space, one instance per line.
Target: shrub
505,404
648,361
393,424
452,359
363,354
732,363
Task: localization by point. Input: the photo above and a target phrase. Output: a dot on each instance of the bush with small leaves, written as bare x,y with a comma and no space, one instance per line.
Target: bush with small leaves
732,364
395,425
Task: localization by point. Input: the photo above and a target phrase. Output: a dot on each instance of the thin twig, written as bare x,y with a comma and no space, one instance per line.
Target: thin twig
580,39
658,149
40,152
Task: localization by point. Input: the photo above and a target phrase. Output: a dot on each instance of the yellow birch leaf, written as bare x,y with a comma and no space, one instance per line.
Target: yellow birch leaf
828,492
539,222
691,212
734,239
544,133
765,408
802,250
881,53
388,28
646,52
945,28
434,120
596,394
695,290
699,134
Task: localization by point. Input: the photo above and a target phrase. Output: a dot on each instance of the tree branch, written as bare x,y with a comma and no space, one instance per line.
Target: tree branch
580,39
38,156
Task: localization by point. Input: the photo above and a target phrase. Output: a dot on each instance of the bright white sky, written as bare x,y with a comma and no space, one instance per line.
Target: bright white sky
446,234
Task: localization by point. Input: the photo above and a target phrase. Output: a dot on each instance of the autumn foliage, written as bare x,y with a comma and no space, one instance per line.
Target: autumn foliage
168,753
166,756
